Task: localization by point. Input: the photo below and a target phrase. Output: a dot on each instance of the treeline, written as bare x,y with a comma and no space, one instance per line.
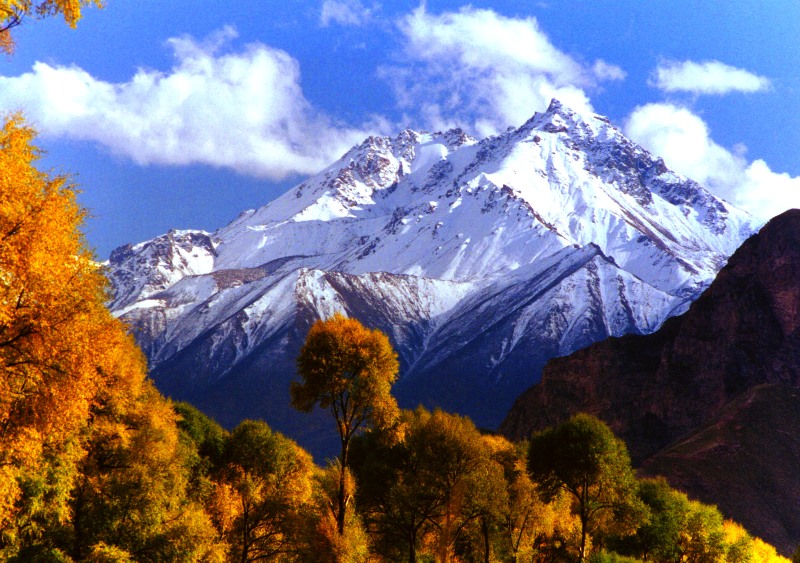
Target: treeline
444,491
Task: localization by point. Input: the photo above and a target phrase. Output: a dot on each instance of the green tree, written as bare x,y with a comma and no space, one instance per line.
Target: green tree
583,457
702,539
265,485
454,468
436,487
740,547
205,440
349,370
657,538
393,498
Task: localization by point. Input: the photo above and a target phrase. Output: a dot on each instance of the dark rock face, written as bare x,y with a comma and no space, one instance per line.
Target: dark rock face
657,389
744,460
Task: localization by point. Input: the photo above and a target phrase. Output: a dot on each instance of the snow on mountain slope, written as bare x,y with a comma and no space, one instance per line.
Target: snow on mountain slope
152,266
480,259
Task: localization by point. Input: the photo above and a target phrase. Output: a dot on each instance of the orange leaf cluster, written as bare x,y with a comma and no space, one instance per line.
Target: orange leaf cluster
13,12
61,352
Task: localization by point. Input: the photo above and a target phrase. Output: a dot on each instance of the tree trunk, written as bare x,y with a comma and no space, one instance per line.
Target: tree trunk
340,517
584,502
77,524
485,530
445,540
582,553
412,547
245,536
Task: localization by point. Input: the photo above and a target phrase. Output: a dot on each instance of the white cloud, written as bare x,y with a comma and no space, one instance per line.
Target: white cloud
766,193
710,77
480,69
682,139
245,111
344,12
605,71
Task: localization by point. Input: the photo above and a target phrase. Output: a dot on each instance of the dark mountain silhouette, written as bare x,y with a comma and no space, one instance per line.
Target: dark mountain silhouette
709,400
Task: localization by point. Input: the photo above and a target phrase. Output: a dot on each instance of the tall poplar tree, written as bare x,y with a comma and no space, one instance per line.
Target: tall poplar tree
349,370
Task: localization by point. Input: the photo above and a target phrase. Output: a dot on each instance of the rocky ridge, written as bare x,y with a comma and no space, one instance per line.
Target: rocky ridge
692,400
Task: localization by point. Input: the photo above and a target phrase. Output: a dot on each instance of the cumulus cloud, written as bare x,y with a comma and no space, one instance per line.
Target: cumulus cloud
605,71
709,77
344,12
682,138
477,68
245,110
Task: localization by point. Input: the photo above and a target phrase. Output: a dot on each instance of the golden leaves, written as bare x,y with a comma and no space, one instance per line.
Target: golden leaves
64,360
14,12
350,369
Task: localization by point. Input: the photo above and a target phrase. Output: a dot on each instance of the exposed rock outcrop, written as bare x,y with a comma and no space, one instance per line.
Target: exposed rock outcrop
744,460
658,390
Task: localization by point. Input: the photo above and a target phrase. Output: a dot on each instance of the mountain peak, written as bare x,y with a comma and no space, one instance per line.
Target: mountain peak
559,118
480,259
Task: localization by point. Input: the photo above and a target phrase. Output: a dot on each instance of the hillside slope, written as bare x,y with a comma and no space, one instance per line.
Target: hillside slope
710,385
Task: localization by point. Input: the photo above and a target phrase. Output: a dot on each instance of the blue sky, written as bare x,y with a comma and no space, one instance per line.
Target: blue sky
182,114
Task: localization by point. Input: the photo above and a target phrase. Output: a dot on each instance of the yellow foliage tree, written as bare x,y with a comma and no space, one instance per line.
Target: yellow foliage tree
583,458
13,12
91,460
55,334
265,485
323,542
132,490
529,528
349,370
90,455
743,548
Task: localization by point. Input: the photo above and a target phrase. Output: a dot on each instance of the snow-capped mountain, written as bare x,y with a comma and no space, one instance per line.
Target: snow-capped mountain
480,259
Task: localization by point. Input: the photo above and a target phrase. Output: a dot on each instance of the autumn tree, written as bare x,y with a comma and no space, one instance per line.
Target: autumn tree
14,12
323,543
205,440
766,553
657,538
349,370
459,471
265,484
395,496
51,320
583,457
436,490
90,459
58,343
702,539
527,527
133,491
